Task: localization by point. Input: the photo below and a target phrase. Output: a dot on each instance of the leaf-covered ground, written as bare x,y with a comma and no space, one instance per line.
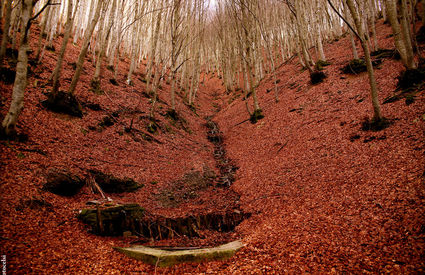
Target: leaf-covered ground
324,195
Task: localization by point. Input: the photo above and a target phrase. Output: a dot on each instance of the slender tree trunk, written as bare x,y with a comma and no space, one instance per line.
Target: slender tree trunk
407,35
353,42
69,23
6,26
17,19
103,44
42,32
134,45
377,116
85,47
8,126
320,44
406,57
154,43
372,19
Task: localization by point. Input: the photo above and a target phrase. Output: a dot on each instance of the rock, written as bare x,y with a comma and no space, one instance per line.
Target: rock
63,183
355,66
114,220
163,258
317,77
63,102
410,78
256,116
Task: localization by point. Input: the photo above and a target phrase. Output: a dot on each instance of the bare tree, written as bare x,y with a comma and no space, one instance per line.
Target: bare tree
377,115
8,126
69,23
85,46
5,36
402,38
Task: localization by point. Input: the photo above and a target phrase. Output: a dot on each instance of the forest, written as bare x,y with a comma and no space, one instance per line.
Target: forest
212,136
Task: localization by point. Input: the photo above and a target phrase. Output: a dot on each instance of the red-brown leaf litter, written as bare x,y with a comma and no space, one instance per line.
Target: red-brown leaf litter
324,196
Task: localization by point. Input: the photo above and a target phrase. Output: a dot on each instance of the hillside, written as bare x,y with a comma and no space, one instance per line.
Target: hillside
322,195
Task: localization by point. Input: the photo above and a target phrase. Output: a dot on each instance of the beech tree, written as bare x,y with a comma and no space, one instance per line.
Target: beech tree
5,35
103,39
69,23
178,37
42,32
352,33
240,41
8,126
354,10
401,32
85,46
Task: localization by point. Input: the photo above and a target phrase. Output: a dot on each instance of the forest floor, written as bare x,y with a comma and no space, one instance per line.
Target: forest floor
324,196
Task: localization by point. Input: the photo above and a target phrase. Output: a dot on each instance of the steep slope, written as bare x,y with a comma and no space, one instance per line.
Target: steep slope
324,195
329,196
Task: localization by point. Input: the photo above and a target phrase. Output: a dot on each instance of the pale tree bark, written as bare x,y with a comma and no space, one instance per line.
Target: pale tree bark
42,32
197,47
134,45
372,19
15,23
115,53
377,115
103,40
316,11
267,42
85,46
176,46
6,26
8,126
154,43
406,33
300,24
113,43
248,40
159,73
353,42
400,35
69,23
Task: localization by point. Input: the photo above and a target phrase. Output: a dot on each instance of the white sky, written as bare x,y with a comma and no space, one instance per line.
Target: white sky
213,3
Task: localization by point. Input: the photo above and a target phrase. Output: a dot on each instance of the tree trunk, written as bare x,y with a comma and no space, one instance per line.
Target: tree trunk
69,23
6,26
103,43
154,43
85,47
8,126
42,32
377,116
399,37
372,19
134,45
15,23
405,31
353,42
